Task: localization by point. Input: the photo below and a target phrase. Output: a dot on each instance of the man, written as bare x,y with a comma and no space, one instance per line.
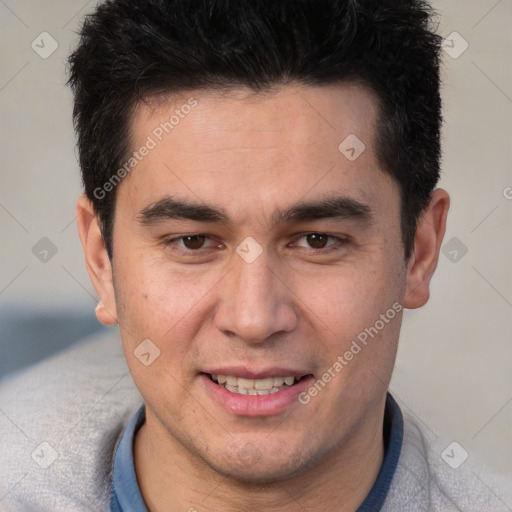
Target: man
259,208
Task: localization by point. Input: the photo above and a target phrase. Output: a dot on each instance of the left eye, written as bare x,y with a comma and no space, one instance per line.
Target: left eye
319,240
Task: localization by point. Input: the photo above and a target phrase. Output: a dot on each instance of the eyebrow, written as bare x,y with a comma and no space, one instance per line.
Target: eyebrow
336,207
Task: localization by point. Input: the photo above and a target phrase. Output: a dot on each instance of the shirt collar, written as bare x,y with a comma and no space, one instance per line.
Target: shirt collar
126,495
393,432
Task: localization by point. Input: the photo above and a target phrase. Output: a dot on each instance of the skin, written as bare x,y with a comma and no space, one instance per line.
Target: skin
295,306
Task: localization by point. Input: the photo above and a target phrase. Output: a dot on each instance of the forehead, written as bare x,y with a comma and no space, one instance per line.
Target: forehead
295,112
265,149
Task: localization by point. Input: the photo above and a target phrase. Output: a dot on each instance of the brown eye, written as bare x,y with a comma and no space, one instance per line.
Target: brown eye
317,240
321,242
193,241
190,245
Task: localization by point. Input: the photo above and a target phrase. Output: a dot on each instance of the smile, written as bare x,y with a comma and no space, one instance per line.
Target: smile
242,386
243,395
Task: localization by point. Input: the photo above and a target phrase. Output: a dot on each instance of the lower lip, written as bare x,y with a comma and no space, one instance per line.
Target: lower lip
255,405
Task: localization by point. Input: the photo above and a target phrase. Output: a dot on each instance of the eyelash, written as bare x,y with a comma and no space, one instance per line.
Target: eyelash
340,242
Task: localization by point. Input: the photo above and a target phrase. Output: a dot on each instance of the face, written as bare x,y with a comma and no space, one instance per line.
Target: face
248,244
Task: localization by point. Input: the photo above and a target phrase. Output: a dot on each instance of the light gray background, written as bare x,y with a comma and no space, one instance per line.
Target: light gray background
454,362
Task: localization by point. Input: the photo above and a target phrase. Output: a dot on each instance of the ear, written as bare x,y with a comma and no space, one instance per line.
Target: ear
429,236
97,261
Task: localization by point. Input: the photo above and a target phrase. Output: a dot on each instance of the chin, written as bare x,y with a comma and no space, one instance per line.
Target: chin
257,476
252,467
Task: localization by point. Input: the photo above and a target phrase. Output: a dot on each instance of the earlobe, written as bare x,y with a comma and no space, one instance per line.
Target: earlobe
97,261
105,316
422,264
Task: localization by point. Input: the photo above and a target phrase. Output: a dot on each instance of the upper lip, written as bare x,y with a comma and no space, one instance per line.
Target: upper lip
261,373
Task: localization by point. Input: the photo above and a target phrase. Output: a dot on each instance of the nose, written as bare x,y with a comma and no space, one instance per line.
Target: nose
254,301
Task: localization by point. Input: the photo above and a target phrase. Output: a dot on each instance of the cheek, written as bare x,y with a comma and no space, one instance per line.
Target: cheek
352,299
363,315
159,302
360,309
162,307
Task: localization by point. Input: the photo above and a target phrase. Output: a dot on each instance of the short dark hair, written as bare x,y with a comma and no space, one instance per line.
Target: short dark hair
130,50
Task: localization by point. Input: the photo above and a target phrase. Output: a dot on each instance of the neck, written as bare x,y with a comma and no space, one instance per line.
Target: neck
168,473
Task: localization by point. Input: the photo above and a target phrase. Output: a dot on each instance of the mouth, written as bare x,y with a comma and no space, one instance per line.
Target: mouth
255,387
255,393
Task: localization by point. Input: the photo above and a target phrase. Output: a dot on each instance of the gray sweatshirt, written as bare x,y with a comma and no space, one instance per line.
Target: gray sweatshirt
61,421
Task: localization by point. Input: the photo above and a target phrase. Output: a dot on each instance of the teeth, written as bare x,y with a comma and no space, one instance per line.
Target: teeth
246,383
232,381
264,383
260,387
